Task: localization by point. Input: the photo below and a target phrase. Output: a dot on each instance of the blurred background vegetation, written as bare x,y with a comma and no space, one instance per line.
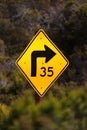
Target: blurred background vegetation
64,107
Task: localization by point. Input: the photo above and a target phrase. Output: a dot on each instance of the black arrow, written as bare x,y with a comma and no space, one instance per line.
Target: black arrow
48,53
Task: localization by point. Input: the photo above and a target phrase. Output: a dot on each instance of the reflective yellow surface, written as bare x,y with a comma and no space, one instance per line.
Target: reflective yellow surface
54,67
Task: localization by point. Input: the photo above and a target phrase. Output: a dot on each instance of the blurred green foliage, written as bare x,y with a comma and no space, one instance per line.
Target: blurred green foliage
67,113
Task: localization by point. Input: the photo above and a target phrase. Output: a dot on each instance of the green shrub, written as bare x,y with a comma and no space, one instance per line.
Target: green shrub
51,113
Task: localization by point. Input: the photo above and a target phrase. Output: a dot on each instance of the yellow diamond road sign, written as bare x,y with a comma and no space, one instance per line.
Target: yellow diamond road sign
42,62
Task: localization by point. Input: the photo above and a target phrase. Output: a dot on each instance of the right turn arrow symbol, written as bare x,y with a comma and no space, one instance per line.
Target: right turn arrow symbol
48,53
